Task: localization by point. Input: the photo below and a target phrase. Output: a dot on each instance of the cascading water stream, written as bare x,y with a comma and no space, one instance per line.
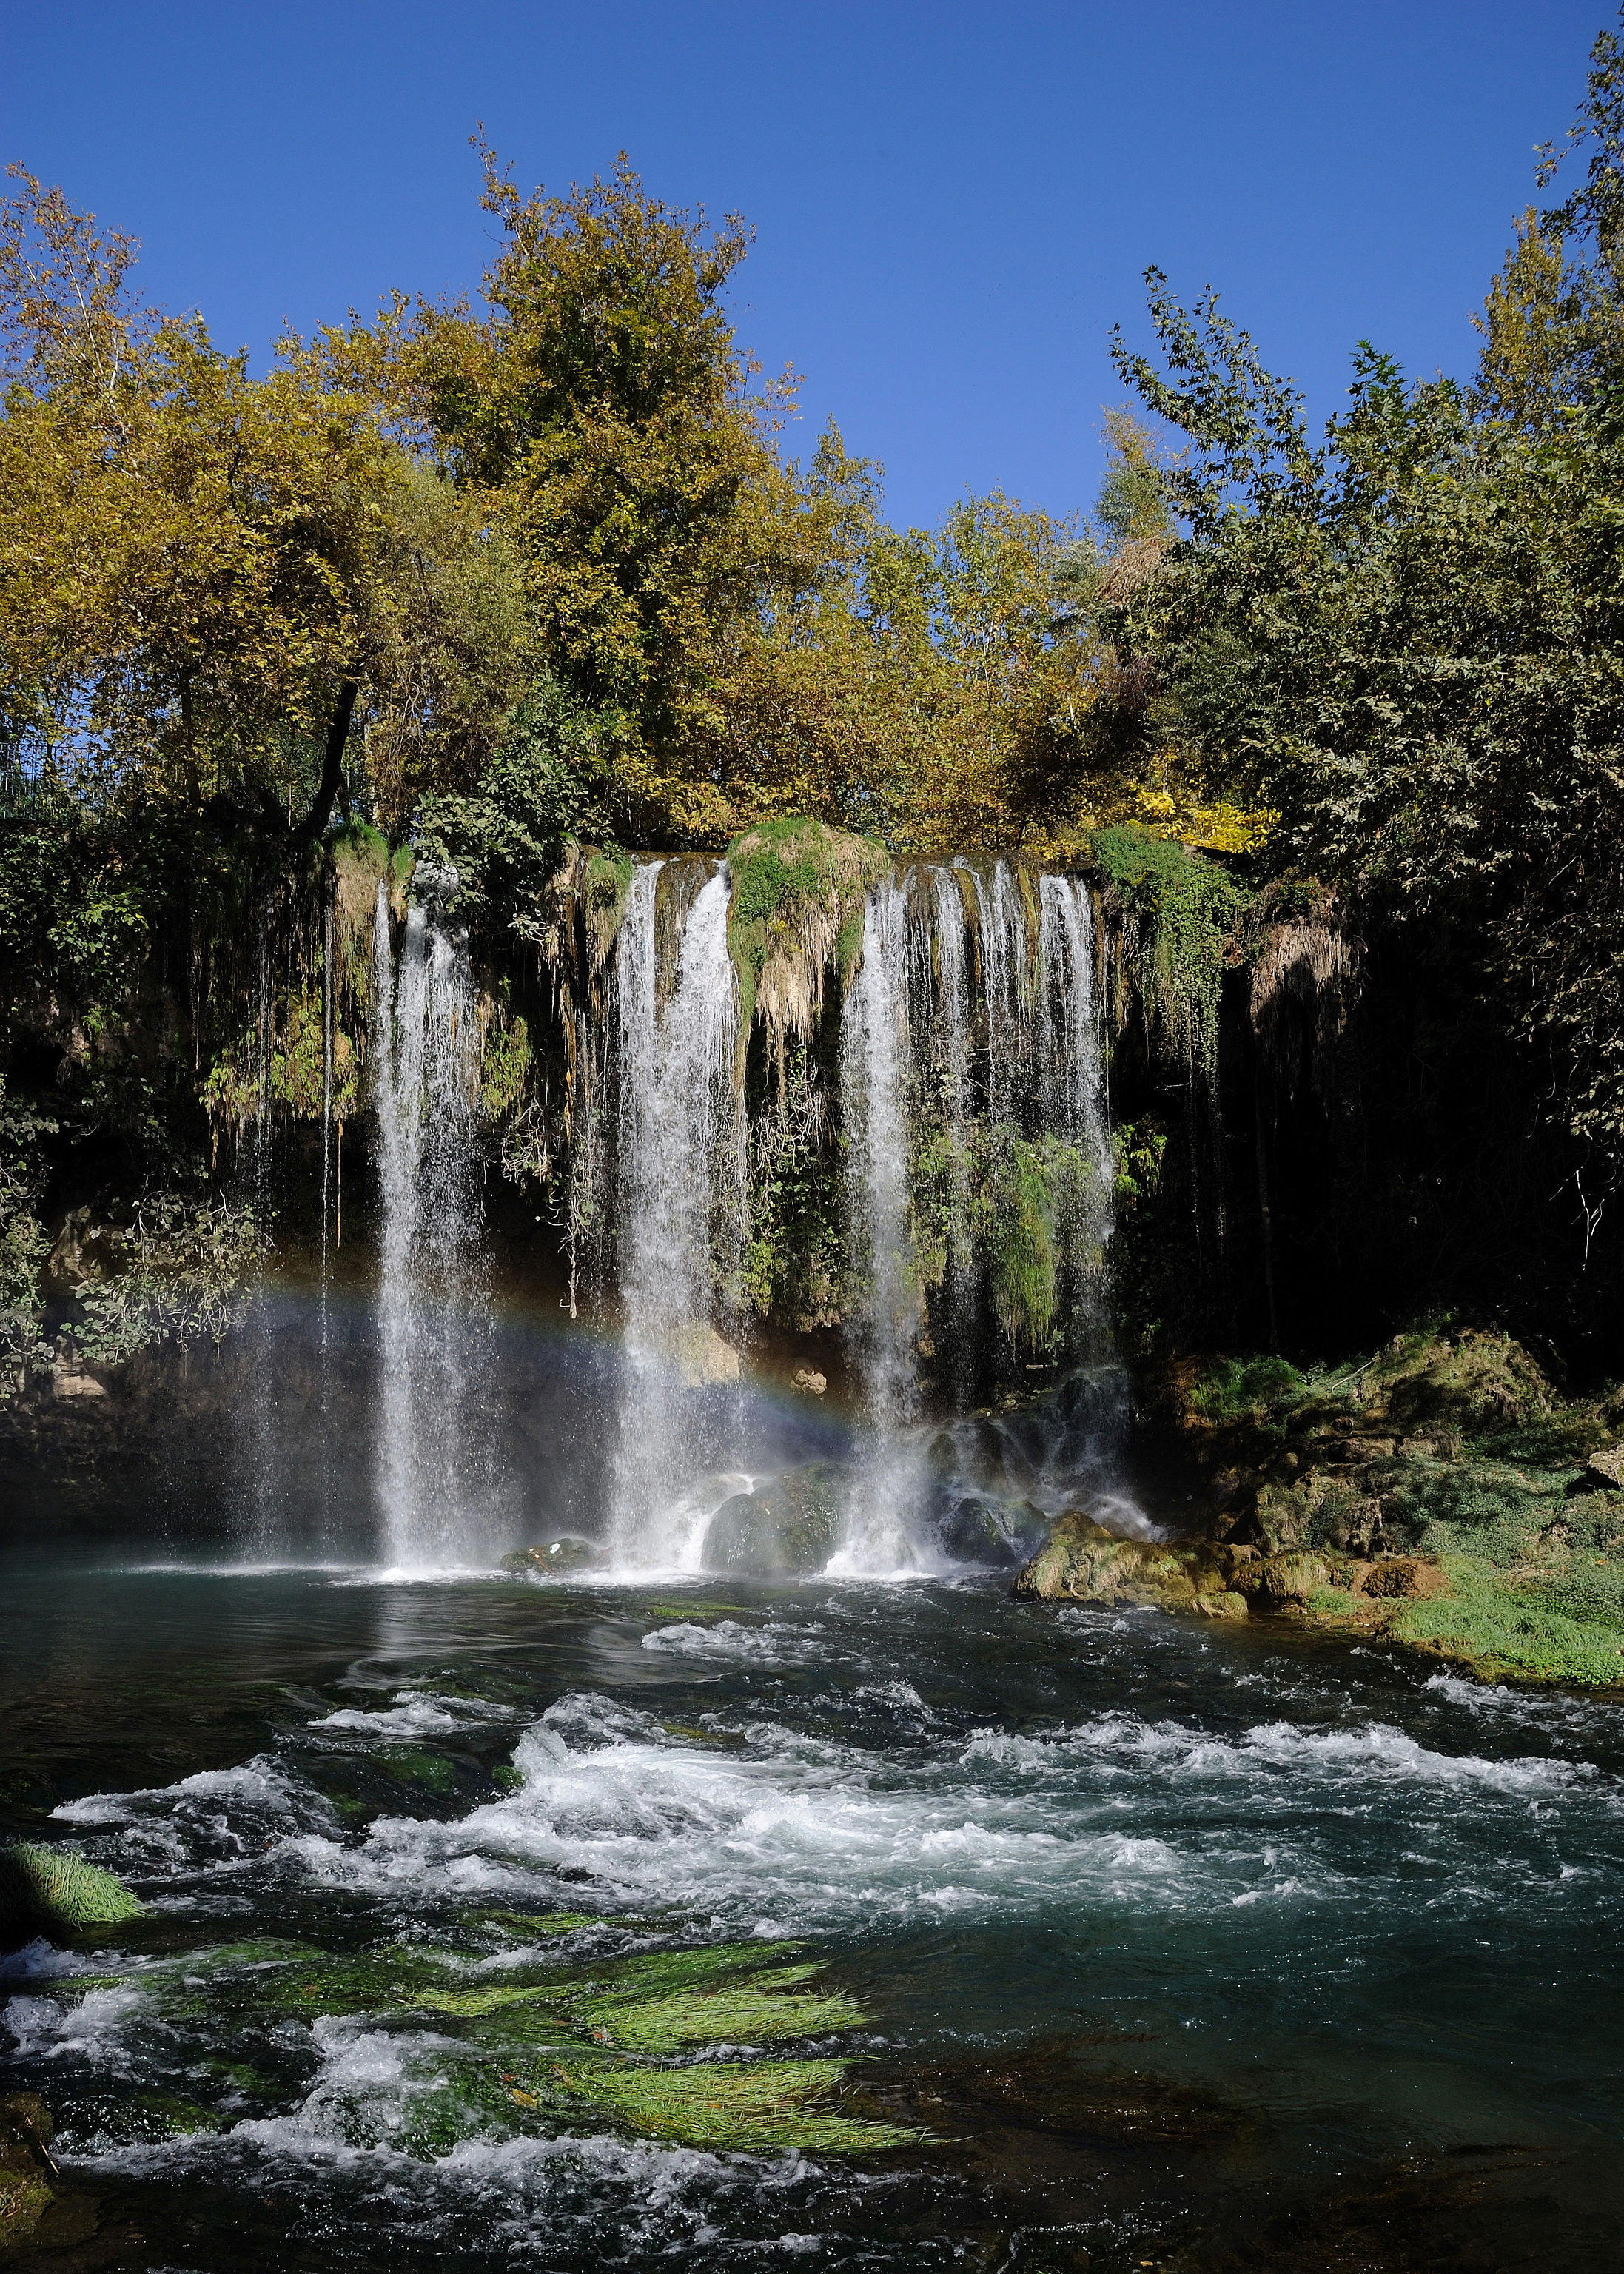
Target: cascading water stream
1071,1078
432,1477
1002,919
875,1048
680,1159
951,1007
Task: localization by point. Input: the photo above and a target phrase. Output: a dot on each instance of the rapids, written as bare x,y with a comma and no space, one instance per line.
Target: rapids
1183,1945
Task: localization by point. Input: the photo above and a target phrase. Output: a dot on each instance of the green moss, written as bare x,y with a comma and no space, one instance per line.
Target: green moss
24,2198
796,887
545,1923
1019,1231
474,2005
1245,1390
605,881
504,1067
767,2008
553,2050
42,1887
1183,909
359,840
690,1610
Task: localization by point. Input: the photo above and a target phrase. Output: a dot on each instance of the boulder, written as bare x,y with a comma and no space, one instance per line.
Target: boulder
1290,1578
1082,1562
701,1357
792,1522
69,1379
1403,1575
812,1384
567,1553
1607,1467
997,1534
27,2168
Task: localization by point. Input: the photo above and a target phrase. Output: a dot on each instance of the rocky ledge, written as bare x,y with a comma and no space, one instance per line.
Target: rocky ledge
1442,1495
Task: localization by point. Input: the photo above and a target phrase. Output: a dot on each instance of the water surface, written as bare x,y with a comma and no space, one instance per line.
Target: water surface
1187,1946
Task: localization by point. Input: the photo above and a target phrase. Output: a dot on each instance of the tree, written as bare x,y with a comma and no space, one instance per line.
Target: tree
209,581
1408,639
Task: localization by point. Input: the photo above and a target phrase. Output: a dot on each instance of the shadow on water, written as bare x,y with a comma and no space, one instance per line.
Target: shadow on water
1153,1946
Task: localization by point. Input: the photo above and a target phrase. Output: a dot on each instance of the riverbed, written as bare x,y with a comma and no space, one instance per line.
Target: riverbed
1174,1945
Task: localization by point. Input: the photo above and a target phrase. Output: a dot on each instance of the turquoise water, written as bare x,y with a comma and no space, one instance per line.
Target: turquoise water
1186,1946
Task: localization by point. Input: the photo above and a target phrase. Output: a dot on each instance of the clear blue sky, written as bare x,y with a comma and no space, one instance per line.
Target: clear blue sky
953,202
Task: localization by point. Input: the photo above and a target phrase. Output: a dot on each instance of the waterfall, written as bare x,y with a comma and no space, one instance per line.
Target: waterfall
952,1029
680,1142
1004,992
1072,1076
432,1477
875,1054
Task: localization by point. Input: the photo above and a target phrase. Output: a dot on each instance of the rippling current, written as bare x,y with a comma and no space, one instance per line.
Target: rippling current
1180,1947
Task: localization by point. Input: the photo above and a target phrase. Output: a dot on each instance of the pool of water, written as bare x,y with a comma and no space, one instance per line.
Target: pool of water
1175,1946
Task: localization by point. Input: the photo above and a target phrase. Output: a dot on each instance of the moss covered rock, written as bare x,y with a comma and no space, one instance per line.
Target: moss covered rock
796,909
567,1553
26,2169
1082,1562
793,1523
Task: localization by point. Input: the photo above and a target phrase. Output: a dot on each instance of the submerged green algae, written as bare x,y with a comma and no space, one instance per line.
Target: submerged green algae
556,2040
753,2106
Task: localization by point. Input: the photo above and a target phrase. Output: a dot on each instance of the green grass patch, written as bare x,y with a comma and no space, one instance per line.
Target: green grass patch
1504,1631
45,1887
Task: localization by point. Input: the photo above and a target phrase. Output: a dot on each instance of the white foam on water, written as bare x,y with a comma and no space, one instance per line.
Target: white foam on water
415,1575
791,1833
776,1644
41,1961
414,1714
1374,1751
217,1816
87,2028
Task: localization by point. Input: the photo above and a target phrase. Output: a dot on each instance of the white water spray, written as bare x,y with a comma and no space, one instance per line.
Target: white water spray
431,1473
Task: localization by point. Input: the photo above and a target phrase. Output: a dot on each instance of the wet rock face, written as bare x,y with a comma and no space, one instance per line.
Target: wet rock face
793,1524
997,1535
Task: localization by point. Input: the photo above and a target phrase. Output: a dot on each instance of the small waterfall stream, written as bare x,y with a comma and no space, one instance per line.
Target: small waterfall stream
917,1035
431,1474
681,1160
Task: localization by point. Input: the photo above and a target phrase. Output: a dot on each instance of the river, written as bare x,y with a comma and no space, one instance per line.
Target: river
1170,1946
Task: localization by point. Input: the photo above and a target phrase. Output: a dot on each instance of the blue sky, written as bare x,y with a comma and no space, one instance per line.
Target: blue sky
953,203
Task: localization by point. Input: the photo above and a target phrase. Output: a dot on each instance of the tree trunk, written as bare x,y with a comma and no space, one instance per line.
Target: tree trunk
332,767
